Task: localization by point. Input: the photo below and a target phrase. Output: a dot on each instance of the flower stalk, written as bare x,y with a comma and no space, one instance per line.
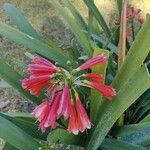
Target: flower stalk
122,47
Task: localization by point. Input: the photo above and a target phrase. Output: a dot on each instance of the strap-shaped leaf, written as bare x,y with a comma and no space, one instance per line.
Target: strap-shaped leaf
9,147
113,48
119,145
21,22
111,111
146,119
136,133
74,27
136,55
28,125
90,4
14,79
63,136
16,137
34,44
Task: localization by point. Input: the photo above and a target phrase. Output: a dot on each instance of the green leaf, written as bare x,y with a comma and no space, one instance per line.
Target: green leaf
18,114
64,137
74,27
14,79
111,111
142,112
119,145
28,125
9,147
21,22
96,97
16,137
136,55
34,44
90,4
113,48
136,133
146,119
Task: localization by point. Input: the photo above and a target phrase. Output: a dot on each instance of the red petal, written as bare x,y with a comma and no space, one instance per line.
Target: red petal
99,59
106,90
35,84
94,77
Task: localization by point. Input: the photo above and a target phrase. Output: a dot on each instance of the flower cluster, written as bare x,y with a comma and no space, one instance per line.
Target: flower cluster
132,15
60,87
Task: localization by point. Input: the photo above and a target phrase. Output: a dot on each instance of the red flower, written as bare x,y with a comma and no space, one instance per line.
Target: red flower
73,120
64,105
52,90
35,84
99,59
52,114
61,101
41,72
40,65
83,119
94,77
78,120
141,21
106,90
41,112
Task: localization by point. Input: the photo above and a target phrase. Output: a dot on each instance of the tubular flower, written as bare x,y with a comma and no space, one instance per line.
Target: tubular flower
35,84
61,96
99,59
83,119
73,120
94,77
42,66
42,72
106,90
64,107
79,120
41,112
52,115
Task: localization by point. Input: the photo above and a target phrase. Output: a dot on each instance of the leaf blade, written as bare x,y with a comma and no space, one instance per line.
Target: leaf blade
16,137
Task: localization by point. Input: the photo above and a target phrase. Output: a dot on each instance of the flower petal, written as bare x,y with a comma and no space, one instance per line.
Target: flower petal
64,108
99,59
94,77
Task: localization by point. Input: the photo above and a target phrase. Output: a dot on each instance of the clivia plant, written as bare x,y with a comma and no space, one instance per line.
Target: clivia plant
96,96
